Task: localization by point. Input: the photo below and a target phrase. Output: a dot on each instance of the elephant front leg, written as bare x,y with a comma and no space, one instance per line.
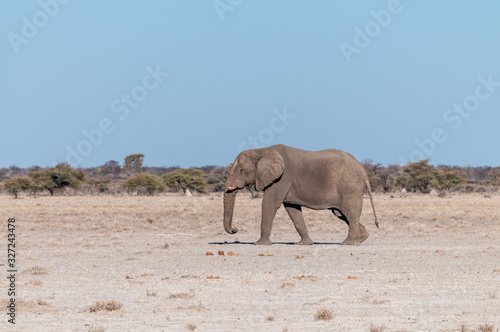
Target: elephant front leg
295,213
269,208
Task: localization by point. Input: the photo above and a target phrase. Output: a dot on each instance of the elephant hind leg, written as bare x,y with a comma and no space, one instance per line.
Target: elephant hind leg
362,231
340,215
357,231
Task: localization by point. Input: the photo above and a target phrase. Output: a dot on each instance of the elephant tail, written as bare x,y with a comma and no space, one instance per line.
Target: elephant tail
369,187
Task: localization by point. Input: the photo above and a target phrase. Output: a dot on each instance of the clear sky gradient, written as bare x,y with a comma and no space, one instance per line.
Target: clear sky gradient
191,83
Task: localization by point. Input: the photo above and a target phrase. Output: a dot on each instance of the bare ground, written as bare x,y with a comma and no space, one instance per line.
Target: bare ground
434,265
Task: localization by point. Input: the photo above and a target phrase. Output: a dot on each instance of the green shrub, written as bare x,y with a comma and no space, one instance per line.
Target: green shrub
60,176
446,178
102,185
216,182
147,181
419,175
190,178
15,185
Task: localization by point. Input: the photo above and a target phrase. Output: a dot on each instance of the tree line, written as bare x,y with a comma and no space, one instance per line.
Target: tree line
112,178
132,177
422,177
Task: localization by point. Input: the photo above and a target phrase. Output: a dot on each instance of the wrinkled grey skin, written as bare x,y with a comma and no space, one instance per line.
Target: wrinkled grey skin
328,179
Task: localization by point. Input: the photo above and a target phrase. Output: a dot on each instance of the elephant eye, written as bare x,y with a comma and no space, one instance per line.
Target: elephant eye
242,170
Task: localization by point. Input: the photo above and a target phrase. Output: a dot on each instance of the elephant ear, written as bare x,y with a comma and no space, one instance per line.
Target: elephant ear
270,167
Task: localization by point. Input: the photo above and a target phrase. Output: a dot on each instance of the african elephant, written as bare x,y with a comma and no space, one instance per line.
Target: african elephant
329,179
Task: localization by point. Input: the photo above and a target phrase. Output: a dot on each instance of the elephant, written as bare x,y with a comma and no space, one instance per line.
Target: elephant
328,179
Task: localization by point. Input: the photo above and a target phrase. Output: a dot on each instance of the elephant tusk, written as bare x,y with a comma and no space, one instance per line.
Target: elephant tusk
231,188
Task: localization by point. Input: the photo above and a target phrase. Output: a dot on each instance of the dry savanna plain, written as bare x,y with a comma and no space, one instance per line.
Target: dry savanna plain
164,263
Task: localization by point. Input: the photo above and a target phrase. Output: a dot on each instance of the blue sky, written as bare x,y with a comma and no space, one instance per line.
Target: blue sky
191,83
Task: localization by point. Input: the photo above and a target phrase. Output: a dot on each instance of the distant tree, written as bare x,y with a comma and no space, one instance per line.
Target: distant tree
15,170
112,163
101,185
446,178
225,171
399,181
494,176
216,179
149,182
60,176
209,169
387,177
110,167
419,175
190,178
3,174
34,168
15,185
133,162
372,170
41,180
65,176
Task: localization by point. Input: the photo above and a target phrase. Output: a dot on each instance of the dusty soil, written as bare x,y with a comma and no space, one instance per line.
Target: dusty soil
434,265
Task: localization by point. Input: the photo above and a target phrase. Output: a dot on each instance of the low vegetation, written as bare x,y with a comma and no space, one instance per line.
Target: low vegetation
323,314
480,328
51,179
133,178
147,182
186,179
105,306
111,178
422,177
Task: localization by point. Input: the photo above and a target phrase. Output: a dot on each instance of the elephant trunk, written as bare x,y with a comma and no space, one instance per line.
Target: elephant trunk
229,198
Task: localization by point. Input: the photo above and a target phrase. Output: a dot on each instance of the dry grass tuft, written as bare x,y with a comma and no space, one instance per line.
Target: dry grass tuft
106,306
191,327
182,296
481,328
288,285
37,270
189,276
374,328
36,283
151,293
97,329
323,314
42,302
199,308
486,328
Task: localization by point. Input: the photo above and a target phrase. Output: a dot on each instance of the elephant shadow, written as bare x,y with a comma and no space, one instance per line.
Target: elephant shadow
282,243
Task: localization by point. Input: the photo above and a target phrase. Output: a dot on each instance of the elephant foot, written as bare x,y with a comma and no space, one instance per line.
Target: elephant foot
307,241
351,242
364,236
263,242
